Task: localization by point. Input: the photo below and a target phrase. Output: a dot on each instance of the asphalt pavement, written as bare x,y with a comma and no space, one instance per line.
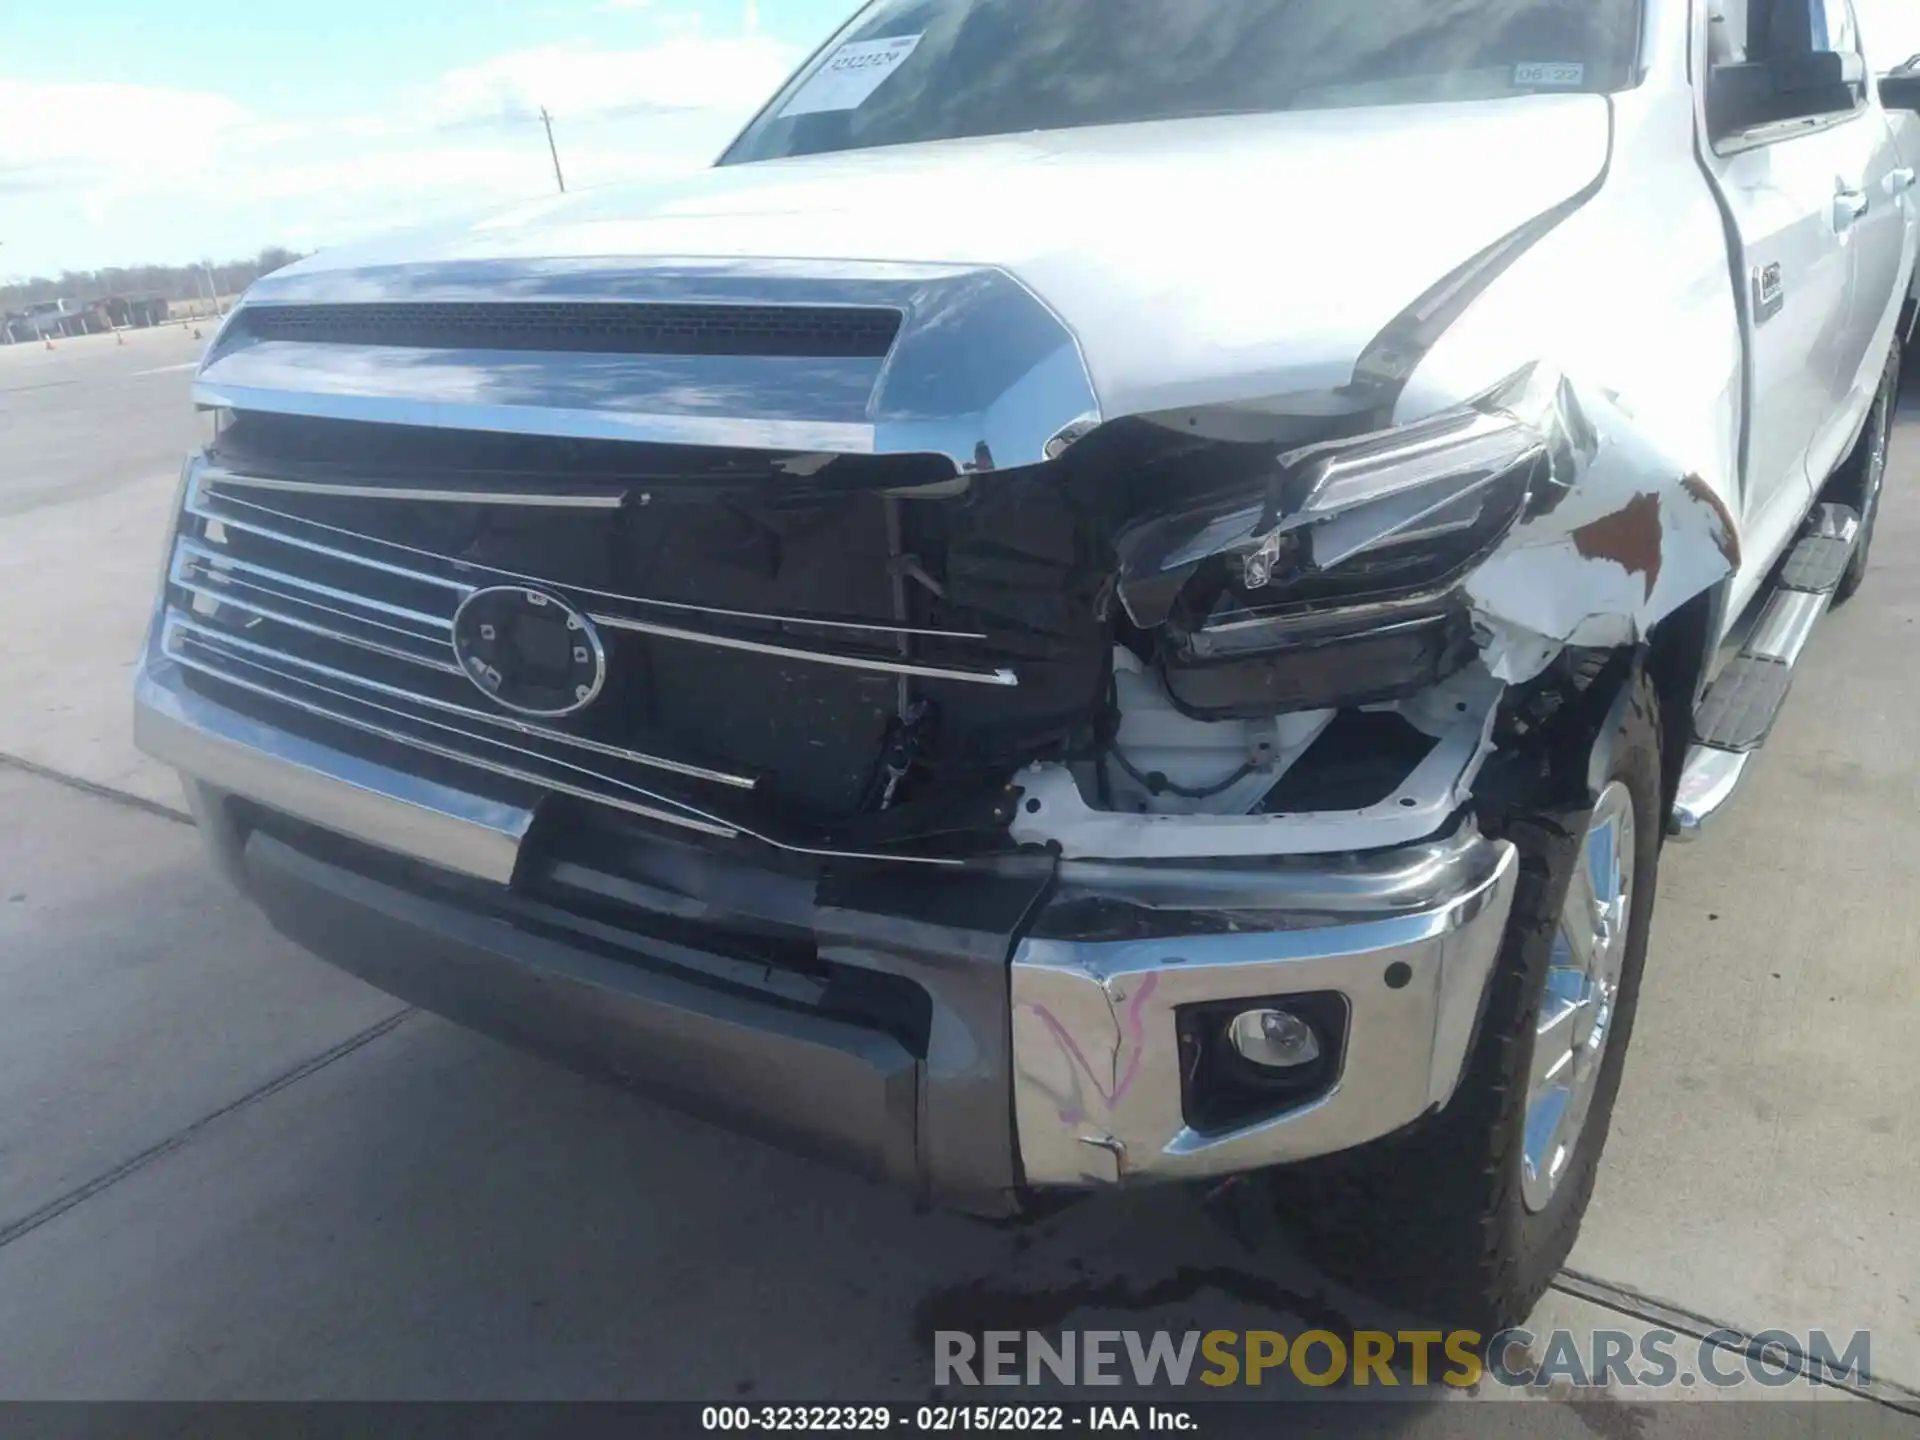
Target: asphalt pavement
228,1171
90,416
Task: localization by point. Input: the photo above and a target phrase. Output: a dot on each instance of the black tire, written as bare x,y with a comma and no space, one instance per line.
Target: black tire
1863,477
1434,1219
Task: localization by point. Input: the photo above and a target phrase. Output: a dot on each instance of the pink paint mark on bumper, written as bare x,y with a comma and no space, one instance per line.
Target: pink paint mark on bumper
1134,1037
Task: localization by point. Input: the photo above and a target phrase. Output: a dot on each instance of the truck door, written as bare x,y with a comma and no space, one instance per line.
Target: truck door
1884,236
1783,184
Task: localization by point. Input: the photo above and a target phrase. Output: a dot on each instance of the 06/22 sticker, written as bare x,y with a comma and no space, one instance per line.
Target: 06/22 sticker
854,72
1549,74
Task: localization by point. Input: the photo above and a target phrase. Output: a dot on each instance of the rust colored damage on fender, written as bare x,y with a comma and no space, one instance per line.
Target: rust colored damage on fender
1630,537
1634,533
1725,538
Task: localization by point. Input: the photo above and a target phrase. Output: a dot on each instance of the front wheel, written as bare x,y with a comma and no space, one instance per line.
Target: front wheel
1470,1215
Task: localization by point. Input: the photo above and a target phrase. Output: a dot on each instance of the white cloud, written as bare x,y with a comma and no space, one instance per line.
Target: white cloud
96,174
63,135
685,73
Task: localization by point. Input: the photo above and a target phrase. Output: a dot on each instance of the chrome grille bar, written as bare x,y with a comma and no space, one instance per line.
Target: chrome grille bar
280,617
332,552
504,722
225,562
227,585
215,477
437,495
214,643
400,737
203,578
999,676
814,657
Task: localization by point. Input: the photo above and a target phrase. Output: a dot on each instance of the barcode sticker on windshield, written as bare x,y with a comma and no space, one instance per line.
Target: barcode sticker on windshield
1549,73
854,73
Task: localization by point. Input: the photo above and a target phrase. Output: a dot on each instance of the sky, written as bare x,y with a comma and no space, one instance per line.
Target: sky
150,130
1892,28
156,130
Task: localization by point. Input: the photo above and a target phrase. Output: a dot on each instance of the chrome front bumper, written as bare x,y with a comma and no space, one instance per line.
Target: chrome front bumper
361,799
1066,1074
1408,937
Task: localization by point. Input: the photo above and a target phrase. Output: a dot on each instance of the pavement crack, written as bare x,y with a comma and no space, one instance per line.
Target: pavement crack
95,789
1623,1300
53,1209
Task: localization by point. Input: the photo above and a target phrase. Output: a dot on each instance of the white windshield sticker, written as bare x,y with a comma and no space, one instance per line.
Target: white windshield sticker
1547,73
855,72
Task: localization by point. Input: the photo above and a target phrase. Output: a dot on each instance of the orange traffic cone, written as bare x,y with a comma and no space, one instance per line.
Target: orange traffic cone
49,340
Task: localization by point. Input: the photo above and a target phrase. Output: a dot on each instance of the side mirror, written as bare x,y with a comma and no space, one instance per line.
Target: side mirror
1901,92
1786,87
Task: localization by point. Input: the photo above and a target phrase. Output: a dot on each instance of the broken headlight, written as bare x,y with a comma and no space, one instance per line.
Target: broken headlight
1326,580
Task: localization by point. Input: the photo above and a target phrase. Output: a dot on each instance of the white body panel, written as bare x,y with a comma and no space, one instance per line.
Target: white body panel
1715,318
1198,262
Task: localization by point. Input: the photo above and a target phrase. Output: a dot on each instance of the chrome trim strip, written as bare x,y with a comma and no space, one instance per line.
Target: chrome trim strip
695,819
811,622
742,280
505,722
1313,891
1000,676
861,626
1786,625
446,667
290,384
445,752
195,509
224,581
199,550
383,807
530,498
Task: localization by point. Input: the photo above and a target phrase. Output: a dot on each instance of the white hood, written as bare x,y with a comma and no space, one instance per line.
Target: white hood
1226,261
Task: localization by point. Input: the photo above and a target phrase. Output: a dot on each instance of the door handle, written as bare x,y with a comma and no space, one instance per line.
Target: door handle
1900,181
1849,208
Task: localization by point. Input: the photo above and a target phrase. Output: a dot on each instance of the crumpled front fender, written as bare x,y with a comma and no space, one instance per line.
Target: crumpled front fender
1623,535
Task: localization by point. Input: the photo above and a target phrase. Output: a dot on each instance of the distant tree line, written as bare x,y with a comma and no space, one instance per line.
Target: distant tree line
170,282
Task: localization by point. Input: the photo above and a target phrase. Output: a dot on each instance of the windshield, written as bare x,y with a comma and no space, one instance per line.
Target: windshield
913,70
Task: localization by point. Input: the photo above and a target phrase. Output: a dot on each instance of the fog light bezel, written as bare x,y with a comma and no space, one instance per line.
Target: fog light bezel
1222,1090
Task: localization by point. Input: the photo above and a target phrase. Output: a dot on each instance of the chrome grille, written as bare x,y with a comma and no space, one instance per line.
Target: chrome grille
258,671
355,630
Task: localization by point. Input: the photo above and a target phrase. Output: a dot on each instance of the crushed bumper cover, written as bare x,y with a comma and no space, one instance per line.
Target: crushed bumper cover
1049,1057
833,1089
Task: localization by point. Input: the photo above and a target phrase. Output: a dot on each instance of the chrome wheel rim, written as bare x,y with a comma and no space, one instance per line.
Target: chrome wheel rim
1582,992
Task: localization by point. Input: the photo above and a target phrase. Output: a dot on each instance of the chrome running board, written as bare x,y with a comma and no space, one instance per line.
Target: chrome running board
1737,713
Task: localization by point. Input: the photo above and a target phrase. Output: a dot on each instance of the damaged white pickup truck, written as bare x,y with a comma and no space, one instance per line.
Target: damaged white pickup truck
1123,592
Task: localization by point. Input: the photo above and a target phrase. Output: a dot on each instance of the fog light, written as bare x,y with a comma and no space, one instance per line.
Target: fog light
1274,1039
